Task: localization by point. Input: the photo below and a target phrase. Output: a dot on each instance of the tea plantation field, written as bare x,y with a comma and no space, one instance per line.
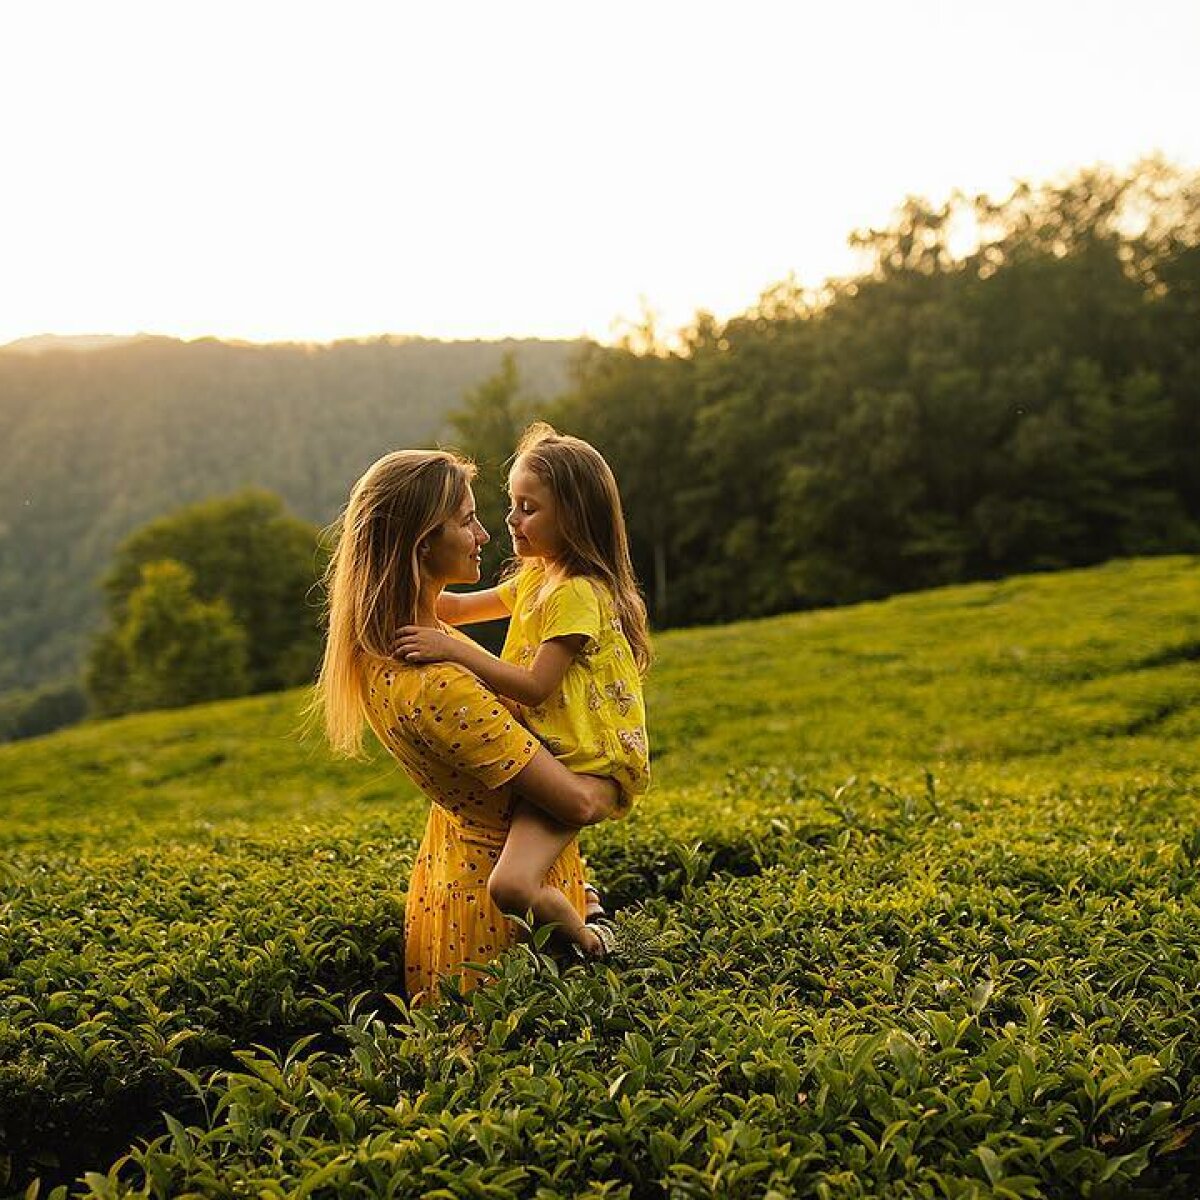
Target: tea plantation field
911,911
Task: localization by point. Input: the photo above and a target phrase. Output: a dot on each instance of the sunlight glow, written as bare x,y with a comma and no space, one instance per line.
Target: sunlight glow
303,172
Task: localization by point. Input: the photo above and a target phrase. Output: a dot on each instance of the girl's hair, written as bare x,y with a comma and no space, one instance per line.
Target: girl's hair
591,522
373,579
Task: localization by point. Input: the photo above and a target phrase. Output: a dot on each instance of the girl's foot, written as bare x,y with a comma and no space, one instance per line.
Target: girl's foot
604,941
594,910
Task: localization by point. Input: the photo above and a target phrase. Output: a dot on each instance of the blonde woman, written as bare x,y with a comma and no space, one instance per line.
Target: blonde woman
408,531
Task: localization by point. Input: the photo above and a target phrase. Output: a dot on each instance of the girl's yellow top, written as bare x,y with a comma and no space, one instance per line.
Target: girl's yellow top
596,723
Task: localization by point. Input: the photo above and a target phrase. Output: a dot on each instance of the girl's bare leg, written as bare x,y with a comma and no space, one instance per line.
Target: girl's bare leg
517,882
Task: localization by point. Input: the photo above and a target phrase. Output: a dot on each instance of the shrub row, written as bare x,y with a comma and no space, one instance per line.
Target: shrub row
937,995
117,969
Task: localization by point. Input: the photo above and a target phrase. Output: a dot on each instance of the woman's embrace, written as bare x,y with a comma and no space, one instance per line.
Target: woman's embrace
409,530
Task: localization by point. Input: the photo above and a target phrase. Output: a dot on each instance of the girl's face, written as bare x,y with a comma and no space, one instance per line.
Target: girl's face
451,552
532,516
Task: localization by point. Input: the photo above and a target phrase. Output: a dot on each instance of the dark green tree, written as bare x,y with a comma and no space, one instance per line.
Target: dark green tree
171,649
634,404
247,551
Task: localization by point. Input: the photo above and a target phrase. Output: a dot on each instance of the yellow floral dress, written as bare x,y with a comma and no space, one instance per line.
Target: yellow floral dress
462,747
596,723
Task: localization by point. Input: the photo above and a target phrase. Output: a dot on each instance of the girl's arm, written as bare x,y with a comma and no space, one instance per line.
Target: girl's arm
466,608
419,643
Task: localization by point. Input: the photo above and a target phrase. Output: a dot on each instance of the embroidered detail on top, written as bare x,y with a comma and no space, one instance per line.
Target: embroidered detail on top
634,740
618,692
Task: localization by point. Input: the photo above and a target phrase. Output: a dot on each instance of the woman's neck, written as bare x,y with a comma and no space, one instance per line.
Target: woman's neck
427,604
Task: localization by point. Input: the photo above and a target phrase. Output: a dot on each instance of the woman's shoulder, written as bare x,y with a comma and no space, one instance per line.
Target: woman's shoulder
415,682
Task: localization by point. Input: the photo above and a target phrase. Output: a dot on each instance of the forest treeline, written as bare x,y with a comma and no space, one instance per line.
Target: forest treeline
99,441
1029,404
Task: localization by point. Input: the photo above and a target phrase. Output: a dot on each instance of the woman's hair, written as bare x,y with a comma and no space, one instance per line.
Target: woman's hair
373,579
591,522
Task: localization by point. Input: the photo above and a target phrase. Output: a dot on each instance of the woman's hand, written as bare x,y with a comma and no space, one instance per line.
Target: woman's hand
420,644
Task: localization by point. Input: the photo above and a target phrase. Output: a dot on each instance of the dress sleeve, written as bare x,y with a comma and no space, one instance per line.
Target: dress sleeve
573,608
469,729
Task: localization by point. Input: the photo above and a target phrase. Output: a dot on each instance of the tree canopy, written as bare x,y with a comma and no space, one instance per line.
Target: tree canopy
214,600
99,441
1030,403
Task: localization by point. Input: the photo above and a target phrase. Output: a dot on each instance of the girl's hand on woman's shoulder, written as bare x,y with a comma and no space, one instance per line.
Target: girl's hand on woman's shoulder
420,644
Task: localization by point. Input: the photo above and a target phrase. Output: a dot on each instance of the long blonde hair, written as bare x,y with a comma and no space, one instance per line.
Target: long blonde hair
373,580
591,521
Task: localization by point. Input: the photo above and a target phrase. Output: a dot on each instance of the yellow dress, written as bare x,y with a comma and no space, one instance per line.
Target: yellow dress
462,747
596,723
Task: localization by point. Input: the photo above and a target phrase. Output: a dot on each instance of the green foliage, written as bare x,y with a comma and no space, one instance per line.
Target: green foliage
486,427
637,408
910,910
41,710
172,649
211,601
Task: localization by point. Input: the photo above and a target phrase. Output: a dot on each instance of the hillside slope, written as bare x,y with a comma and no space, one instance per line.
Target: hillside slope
911,910
1004,676
98,441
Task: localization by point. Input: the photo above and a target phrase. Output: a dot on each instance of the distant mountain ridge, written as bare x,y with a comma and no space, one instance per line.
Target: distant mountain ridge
101,435
43,343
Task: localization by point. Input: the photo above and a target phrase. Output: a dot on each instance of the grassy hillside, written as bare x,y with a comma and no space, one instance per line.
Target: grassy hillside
915,889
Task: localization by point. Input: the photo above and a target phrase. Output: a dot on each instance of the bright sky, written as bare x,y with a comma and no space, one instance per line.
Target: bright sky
307,171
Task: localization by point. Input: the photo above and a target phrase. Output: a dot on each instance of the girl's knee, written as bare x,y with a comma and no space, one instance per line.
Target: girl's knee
510,892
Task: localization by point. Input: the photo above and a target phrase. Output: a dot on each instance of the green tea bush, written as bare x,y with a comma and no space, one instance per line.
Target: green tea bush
884,1013
119,969
911,911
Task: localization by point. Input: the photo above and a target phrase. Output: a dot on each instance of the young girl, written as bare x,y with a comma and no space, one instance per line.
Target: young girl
573,660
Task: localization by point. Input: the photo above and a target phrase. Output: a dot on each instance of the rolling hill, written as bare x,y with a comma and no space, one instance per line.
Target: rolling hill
102,436
910,910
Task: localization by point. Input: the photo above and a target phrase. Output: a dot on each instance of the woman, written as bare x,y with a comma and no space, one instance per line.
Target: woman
408,531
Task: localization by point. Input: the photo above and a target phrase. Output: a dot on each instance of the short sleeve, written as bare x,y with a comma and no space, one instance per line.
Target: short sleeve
468,729
573,608
506,589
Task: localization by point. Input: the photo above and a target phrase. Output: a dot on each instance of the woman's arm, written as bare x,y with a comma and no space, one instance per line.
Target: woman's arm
420,644
466,608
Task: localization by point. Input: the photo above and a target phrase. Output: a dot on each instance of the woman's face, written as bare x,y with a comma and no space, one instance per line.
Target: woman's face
451,552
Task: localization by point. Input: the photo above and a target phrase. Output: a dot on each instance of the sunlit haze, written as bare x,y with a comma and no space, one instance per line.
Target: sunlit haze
272,171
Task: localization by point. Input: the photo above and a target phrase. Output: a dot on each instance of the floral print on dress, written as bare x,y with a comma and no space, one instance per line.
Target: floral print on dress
466,773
